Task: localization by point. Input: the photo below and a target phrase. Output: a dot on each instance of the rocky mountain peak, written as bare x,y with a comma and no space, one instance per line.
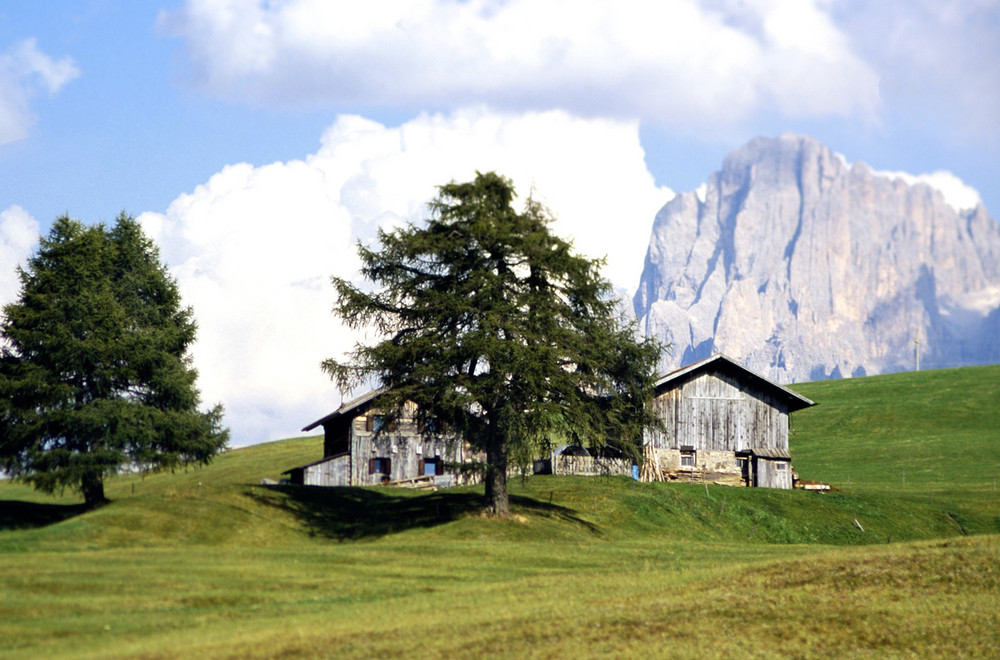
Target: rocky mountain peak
804,267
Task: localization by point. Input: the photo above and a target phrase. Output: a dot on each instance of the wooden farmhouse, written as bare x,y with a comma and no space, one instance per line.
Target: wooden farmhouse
724,423
355,453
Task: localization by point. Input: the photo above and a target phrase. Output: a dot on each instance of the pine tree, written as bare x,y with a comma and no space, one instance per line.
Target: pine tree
94,370
494,327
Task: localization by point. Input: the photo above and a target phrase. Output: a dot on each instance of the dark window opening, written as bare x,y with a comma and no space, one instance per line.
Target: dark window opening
379,422
687,458
379,465
336,441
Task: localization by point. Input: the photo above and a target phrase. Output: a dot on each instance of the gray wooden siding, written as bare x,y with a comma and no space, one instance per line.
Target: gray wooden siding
403,446
716,413
590,466
333,472
773,473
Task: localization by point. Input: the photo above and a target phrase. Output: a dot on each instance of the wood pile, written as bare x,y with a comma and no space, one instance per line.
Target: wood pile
811,485
423,482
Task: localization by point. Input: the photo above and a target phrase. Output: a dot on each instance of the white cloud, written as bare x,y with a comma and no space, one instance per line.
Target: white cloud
253,248
18,239
956,192
676,60
24,71
938,62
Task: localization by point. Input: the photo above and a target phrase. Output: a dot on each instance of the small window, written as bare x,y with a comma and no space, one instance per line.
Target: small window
431,466
379,422
780,466
378,465
687,458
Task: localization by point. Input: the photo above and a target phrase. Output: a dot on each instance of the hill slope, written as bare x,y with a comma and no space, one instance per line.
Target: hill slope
917,451
937,430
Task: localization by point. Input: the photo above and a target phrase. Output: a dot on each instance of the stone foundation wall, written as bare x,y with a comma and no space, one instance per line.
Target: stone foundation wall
710,466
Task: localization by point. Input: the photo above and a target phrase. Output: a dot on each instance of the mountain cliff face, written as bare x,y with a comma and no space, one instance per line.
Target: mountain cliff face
803,268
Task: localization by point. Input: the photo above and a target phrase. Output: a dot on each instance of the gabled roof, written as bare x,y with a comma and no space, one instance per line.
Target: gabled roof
720,362
345,408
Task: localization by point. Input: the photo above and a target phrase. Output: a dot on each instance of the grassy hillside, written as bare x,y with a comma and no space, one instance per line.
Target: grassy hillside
927,431
207,563
929,438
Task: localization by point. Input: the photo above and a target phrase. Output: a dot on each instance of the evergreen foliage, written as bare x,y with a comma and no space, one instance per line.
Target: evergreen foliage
496,328
94,371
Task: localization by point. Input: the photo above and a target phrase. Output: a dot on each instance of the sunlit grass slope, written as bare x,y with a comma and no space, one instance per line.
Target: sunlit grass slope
213,504
409,597
930,430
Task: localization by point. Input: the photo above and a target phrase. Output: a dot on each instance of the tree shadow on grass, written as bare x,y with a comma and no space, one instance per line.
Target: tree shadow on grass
15,514
347,513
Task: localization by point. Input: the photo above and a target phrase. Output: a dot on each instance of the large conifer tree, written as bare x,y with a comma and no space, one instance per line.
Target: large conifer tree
94,370
495,327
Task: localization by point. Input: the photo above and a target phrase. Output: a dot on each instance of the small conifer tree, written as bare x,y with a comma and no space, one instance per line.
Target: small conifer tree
94,369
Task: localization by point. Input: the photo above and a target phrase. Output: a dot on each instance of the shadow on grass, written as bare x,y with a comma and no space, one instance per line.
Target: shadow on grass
15,514
345,513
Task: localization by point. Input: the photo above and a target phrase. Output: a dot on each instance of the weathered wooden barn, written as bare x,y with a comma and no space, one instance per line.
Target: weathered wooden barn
355,453
723,423
574,459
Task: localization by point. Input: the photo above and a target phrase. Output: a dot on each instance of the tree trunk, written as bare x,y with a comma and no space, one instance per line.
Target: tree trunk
92,487
497,500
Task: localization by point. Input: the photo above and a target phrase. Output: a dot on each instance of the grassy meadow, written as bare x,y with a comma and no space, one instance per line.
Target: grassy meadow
902,560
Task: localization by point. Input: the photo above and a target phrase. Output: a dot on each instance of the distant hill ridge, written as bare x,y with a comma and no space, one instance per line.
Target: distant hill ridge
804,267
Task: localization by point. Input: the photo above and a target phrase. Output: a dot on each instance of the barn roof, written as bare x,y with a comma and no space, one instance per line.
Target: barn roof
345,408
765,452
570,450
725,364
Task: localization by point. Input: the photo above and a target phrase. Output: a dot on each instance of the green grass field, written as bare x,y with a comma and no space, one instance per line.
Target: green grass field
207,564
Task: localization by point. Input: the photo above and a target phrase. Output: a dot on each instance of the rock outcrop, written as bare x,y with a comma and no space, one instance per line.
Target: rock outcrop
803,267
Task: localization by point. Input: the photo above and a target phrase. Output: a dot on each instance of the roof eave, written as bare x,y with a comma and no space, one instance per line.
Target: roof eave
347,407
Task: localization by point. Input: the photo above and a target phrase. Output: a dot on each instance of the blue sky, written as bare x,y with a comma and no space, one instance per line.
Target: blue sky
258,140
